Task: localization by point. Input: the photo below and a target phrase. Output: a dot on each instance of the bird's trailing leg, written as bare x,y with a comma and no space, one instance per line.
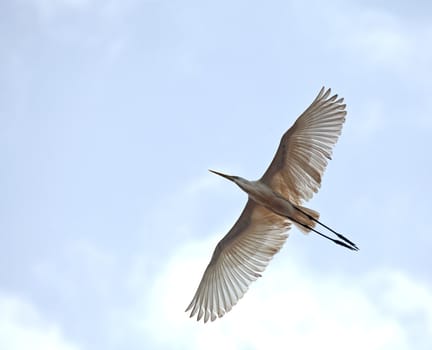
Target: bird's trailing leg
345,241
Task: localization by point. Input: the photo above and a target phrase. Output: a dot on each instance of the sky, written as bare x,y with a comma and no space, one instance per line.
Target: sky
111,112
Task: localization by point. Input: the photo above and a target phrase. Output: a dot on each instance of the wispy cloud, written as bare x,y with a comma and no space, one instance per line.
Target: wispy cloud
291,306
384,40
22,327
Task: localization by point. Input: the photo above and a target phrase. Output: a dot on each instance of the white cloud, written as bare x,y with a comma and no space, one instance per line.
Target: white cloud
408,299
290,307
22,328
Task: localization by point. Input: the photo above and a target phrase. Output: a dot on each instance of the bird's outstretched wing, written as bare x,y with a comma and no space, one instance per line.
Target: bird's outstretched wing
238,260
304,150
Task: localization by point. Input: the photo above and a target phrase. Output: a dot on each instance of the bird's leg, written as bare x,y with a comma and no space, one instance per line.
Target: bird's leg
337,234
343,244
330,229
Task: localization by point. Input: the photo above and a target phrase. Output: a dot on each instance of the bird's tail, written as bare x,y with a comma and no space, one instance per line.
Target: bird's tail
304,222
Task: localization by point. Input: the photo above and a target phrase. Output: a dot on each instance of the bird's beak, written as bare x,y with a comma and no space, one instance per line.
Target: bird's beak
229,177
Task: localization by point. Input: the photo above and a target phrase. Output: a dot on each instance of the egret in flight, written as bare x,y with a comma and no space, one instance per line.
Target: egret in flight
274,203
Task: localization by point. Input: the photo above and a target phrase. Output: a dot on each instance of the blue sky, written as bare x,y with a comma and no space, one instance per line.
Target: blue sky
111,112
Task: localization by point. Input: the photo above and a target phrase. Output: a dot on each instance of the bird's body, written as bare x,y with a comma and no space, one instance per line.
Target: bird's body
264,195
274,203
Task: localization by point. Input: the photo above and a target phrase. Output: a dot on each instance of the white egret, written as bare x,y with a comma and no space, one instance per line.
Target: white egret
274,203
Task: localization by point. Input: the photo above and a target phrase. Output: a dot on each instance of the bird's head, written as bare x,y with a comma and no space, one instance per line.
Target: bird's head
239,181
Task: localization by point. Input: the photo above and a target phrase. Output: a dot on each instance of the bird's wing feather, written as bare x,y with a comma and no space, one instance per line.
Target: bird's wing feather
238,260
304,150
